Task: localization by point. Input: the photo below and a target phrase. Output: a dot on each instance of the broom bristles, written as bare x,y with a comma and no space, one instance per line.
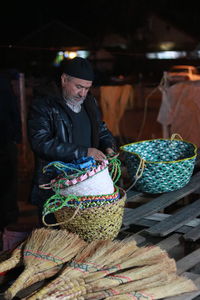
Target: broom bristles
37,254
149,282
47,243
92,258
116,280
130,275
176,287
152,250
143,256
130,296
72,271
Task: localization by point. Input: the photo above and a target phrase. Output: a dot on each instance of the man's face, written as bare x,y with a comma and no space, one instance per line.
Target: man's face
75,88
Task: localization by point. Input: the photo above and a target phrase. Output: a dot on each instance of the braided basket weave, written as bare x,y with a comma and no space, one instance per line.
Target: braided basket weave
160,165
94,222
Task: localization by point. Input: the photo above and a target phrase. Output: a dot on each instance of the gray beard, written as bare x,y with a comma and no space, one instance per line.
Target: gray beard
74,105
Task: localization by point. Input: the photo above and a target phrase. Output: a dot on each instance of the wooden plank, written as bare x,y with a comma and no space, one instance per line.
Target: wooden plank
131,195
170,242
189,261
166,199
176,220
193,234
150,221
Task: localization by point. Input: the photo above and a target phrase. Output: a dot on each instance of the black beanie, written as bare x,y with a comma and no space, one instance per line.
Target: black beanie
80,68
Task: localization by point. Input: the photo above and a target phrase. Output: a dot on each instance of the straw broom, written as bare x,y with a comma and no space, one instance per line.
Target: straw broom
45,249
176,287
139,257
74,272
149,282
142,256
14,260
92,258
41,276
117,279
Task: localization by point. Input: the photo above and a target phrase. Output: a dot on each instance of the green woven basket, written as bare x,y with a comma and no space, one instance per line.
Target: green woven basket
160,165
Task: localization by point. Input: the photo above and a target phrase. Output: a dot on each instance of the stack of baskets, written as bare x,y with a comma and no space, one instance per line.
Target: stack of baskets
160,165
86,201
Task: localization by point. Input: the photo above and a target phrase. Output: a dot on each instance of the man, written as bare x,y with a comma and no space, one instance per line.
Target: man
66,126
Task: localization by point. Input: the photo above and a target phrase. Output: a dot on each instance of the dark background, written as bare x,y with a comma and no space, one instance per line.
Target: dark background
17,19
91,18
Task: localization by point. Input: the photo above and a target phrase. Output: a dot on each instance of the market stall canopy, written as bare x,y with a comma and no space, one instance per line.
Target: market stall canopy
55,35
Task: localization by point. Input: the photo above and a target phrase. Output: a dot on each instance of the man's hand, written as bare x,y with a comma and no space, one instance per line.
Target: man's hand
110,151
97,154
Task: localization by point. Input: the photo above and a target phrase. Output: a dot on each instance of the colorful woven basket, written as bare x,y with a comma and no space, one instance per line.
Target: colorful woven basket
160,165
96,179
92,219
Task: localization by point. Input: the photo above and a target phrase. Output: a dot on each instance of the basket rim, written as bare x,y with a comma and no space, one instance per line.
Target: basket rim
122,198
161,162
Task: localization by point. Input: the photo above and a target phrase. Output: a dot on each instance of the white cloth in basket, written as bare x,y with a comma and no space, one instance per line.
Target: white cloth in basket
99,184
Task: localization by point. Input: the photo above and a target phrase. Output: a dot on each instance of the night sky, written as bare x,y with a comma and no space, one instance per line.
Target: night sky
90,16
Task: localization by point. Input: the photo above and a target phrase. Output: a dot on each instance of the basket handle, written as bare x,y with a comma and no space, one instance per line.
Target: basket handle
115,164
50,207
60,223
138,173
174,135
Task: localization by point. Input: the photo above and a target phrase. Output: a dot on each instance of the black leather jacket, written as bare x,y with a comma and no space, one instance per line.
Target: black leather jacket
50,134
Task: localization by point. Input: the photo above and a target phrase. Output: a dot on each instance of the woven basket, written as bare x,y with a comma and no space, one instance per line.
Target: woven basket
94,222
160,165
95,181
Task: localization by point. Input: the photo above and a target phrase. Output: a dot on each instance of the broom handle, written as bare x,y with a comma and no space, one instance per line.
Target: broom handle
19,282
9,263
61,280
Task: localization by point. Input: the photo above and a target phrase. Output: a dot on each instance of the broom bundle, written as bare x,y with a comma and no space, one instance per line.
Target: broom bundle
98,272
117,279
158,286
145,269
134,256
44,250
92,258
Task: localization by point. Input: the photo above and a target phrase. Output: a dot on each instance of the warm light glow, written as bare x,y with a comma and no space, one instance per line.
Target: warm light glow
72,54
166,46
69,54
